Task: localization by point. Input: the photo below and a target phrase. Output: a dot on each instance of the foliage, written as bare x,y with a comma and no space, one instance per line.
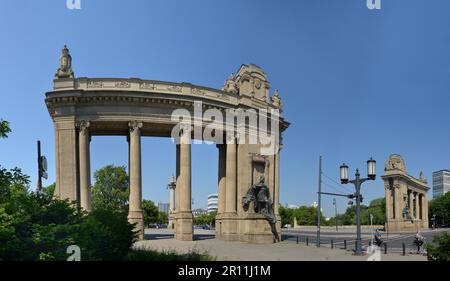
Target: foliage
287,215
49,190
105,235
208,218
306,215
377,208
439,250
440,207
110,190
152,213
35,226
152,255
4,129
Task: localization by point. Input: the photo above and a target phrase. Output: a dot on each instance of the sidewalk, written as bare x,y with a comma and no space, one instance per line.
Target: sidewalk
284,251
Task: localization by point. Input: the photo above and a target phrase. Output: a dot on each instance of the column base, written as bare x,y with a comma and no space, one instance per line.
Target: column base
403,225
184,230
171,224
218,223
228,231
255,229
137,218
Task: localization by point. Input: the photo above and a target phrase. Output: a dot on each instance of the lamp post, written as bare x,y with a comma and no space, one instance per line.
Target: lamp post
335,213
371,175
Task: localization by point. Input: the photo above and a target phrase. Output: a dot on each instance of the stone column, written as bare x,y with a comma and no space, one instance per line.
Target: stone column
398,202
85,174
387,193
66,156
222,179
416,196
221,188
172,188
420,206
177,190
425,211
172,195
276,195
185,228
231,187
135,209
410,203
229,222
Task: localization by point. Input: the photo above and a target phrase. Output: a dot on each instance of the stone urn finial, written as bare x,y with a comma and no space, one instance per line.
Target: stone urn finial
65,65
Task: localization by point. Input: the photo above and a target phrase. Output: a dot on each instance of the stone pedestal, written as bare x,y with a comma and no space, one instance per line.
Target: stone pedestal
229,227
137,217
185,227
402,225
254,228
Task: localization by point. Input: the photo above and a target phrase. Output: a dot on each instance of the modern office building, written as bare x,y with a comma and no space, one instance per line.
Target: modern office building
441,182
212,203
164,207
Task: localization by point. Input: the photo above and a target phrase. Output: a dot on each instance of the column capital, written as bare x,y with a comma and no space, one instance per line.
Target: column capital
83,125
135,125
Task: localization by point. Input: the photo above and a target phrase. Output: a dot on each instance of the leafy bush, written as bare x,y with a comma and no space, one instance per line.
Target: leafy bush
35,226
439,250
151,255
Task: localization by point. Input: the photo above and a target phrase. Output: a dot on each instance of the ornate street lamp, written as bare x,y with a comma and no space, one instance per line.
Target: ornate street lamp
371,175
344,174
371,169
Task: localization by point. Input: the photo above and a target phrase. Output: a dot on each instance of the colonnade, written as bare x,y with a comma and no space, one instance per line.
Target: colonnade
181,197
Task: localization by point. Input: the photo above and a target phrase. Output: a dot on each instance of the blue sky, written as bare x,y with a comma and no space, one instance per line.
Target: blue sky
356,83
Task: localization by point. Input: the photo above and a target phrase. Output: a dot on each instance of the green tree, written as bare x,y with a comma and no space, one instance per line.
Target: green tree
440,207
110,190
49,190
307,215
35,226
208,218
377,208
4,129
439,250
151,212
287,215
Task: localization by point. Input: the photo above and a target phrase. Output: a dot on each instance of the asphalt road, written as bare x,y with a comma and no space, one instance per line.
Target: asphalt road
394,241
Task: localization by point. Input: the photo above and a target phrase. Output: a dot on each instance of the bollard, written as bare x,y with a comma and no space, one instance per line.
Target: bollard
356,245
307,240
404,248
385,248
370,243
297,239
332,246
345,244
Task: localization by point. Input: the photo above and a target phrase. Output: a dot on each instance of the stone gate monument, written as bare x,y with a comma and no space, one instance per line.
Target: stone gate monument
406,197
82,108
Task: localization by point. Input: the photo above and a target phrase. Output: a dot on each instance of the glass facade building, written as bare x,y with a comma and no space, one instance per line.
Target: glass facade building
441,183
212,203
